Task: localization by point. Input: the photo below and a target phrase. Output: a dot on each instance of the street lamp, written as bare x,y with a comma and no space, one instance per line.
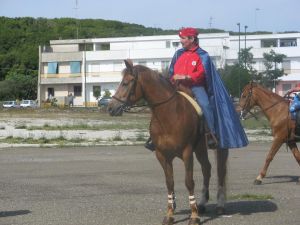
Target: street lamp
255,18
239,74
245,43
246,35
239,25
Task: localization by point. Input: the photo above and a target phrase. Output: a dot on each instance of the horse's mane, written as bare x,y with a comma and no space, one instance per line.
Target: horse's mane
141,70
265,90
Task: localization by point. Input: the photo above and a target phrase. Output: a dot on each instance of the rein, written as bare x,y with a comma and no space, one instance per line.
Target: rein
127,104
262,110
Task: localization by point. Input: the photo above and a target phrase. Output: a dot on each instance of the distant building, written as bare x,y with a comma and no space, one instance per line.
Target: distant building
85,67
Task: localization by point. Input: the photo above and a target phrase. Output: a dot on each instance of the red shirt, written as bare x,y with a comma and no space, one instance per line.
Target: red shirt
189,63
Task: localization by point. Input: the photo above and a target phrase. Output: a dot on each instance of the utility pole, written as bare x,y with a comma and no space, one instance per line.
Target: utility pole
76,17
210,23
85,97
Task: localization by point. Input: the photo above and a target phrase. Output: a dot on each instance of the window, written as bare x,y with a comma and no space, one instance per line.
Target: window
97,91
93,66
75,67
288,42
102,46
168,44
286,65
52,68
286,87
77,90
86,47
268,43
175,44
50,93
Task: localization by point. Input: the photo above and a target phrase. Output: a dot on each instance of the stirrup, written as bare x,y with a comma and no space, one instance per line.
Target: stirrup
211,141
149,145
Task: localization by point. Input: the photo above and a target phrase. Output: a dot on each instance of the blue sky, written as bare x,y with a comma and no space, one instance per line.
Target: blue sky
269,15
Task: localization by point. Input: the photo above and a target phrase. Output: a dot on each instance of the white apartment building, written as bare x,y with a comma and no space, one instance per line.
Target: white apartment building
84,67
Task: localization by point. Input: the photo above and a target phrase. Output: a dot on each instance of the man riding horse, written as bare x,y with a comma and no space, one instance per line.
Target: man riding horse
192,67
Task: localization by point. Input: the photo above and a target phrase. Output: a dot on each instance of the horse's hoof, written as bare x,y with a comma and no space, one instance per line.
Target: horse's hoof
168,221
220,210
194,221
257,182
201,209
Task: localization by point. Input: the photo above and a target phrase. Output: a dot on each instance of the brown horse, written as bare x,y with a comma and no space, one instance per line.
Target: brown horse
276,109
175,131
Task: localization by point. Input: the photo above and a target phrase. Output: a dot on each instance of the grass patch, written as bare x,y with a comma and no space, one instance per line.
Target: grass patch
59,140
21,126
108,126
248,196
2,127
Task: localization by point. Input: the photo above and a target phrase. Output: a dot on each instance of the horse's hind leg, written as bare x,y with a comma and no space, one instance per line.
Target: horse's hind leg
274,149
295,151
166,163
202,157
222,156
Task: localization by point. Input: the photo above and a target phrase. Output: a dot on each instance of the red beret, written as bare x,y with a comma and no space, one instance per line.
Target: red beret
188,31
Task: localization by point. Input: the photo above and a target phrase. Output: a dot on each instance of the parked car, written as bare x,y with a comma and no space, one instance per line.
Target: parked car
28,104
104,101
10,104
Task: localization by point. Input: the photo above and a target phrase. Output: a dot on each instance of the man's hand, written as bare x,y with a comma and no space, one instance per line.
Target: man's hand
181,77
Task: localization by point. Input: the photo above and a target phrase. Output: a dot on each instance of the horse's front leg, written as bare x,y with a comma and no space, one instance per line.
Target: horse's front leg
166,163
190,184
272,152
222,156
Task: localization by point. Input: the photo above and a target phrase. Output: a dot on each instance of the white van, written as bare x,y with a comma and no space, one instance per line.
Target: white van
28,104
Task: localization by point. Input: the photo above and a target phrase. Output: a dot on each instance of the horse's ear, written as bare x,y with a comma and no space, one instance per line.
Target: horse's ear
129,64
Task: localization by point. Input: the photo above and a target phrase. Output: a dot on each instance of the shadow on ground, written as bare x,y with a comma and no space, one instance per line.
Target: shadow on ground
232,208
281,179
14,213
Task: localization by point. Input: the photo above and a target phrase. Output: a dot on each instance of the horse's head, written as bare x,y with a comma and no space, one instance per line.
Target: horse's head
247,100
128,92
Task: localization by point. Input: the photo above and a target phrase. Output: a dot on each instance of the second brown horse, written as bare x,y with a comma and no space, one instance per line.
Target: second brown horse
276,109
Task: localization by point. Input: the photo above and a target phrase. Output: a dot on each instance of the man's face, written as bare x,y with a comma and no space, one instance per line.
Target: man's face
187,42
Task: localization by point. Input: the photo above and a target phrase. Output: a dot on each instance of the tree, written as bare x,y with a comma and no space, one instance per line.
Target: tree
238,75
235,78
270,76
246,58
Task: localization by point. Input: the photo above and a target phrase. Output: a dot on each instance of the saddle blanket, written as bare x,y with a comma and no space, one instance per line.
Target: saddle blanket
193,102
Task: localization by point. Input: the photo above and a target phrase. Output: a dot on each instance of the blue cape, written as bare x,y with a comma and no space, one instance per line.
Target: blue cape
227,124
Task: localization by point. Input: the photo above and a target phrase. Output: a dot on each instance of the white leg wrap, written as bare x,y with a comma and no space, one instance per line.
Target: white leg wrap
171,200
192,199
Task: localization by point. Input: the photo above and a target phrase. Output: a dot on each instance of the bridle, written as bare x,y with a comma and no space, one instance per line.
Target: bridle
248,99
246,108
127,104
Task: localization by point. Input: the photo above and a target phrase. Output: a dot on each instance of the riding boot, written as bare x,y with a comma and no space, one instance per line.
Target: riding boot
210,138
149,145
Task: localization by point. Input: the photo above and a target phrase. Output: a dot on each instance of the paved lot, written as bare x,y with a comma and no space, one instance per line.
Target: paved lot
125,185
